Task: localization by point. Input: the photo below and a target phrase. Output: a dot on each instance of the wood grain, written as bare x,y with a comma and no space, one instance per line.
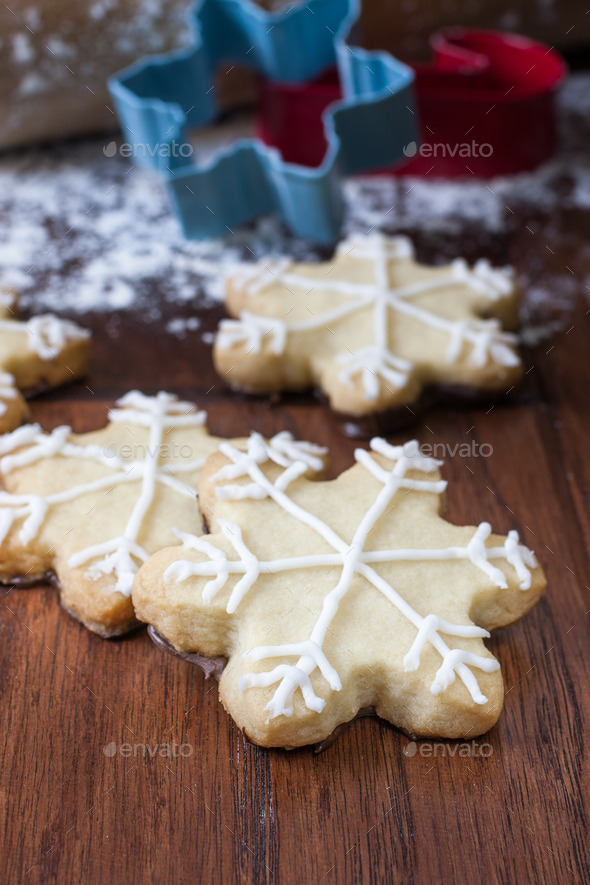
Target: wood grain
373,807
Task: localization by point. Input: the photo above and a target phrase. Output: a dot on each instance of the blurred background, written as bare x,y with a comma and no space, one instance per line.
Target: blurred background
56,55
84,230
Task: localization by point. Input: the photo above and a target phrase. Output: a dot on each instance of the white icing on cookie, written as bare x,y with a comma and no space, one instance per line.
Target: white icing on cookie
255,277
7,390
250,330
351,559
46,335
29,445
121,555
375,363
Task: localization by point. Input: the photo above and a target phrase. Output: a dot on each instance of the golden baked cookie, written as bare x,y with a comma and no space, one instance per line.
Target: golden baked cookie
372,328
90,508
330,597
35,354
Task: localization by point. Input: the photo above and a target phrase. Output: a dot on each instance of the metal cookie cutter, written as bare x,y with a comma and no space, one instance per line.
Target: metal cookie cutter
159,99
486,104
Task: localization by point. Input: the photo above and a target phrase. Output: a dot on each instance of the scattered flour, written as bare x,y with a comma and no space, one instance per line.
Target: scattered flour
179,326
23,51
533,335
83,232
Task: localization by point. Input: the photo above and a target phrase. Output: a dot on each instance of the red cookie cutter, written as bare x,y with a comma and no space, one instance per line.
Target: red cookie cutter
486,104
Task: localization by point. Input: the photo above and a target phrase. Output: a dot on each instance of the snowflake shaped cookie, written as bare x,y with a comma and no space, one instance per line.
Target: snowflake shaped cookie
90,508
329,597
372,328
36,354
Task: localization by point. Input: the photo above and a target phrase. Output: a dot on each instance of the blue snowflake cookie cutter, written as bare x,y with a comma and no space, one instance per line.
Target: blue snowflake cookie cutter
161,98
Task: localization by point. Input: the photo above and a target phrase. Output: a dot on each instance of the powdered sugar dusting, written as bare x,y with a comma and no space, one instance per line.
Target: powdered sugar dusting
84,232
181,325
81,231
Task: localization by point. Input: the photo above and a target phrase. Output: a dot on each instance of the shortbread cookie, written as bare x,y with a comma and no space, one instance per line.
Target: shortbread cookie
35,355
90,508
328,598
13,406
372,328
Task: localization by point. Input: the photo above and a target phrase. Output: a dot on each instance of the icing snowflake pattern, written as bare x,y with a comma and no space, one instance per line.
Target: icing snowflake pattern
35,354
121,556
46,335
8,391
118,556
375,363
351,559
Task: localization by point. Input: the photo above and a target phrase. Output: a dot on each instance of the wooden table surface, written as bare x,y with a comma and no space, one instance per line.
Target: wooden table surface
374,807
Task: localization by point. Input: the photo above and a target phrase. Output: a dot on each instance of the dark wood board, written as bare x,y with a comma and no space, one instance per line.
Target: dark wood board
374,807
